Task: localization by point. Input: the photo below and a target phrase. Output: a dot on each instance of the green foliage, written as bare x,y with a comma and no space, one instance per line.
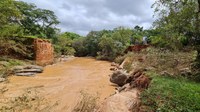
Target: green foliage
167,94
63,44
8,15
20,18
8,12
179,21
79,46
36,21
105,44
11,30
176,22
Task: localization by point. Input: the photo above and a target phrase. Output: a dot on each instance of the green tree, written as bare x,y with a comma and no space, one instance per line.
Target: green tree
36,21
8,15
64,43
8,12
180,19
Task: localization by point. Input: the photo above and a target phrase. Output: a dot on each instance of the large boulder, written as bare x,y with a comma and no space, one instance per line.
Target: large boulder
141,82
125,101
119,77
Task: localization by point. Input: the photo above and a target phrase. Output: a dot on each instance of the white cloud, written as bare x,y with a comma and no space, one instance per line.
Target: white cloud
82,16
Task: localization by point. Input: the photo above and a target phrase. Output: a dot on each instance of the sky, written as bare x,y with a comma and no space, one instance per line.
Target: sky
83,16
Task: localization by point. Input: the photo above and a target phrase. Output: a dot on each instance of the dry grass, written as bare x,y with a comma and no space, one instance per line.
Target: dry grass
88,103
29,101
163,60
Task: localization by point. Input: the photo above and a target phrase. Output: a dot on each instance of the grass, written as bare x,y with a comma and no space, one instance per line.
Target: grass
167,94
10,63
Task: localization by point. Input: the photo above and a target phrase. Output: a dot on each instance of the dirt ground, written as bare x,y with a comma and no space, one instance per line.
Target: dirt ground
61,84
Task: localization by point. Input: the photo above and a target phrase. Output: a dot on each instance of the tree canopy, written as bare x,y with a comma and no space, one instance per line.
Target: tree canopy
20,17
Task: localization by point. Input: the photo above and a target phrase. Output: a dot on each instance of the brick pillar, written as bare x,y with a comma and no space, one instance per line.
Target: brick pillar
43,52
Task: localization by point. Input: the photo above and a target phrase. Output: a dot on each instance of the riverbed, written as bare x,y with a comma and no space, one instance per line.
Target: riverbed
61,84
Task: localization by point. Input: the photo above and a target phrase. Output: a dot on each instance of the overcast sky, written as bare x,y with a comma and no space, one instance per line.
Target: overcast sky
82,16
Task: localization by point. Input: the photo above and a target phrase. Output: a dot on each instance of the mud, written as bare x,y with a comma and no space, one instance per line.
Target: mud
62,83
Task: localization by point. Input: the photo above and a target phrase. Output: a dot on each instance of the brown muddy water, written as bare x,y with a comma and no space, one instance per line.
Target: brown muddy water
62,83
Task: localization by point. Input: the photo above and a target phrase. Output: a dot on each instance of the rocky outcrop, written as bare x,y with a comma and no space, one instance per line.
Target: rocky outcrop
126,98
28,70
137,79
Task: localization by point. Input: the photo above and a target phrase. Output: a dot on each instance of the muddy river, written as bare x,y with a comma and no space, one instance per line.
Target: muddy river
60,85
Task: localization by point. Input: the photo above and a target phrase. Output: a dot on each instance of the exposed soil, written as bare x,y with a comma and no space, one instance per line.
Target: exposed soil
61,83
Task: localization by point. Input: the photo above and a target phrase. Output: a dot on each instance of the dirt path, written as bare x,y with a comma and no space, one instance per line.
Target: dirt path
62,83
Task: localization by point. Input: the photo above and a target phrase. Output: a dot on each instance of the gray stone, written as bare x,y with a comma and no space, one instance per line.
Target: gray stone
119,77
122,102
25,74
27,70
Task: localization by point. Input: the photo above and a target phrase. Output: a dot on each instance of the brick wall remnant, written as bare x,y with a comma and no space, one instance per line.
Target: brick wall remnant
43,52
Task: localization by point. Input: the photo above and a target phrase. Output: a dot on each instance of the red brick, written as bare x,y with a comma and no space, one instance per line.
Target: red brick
43,52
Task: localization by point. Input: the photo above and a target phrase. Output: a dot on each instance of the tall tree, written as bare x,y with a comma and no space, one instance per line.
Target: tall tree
37,21
8,15
8,12
181,17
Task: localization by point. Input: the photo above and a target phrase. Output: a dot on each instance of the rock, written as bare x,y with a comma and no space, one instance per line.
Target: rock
2,80
124,88
33,67
114,64
119,77
141,82
185,72
119,67
113,69
122,102
28,70
25,74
